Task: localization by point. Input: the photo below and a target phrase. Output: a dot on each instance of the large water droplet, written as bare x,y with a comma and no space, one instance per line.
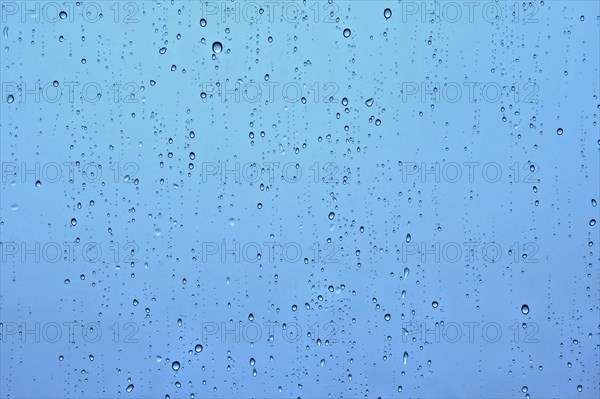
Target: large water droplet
525,309
217,47
347,32
387,13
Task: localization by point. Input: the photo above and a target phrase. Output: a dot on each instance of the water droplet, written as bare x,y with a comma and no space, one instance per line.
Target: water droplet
198,348
217,47
10,99
579,388
387,13
369,102
73,222
129,388
592,222
162,50
525,309
434,304
559,131
63,15
38,183
331,215
387,317
405,358
347,32
175,366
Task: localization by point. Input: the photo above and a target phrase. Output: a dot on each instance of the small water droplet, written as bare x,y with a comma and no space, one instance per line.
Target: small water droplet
525,309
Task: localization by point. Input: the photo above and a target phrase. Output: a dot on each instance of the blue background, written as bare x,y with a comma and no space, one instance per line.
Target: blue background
350,158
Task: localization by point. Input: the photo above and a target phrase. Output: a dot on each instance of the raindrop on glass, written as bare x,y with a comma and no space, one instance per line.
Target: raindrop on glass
217,47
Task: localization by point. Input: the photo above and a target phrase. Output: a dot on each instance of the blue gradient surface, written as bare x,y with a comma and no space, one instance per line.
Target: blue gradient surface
319,199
